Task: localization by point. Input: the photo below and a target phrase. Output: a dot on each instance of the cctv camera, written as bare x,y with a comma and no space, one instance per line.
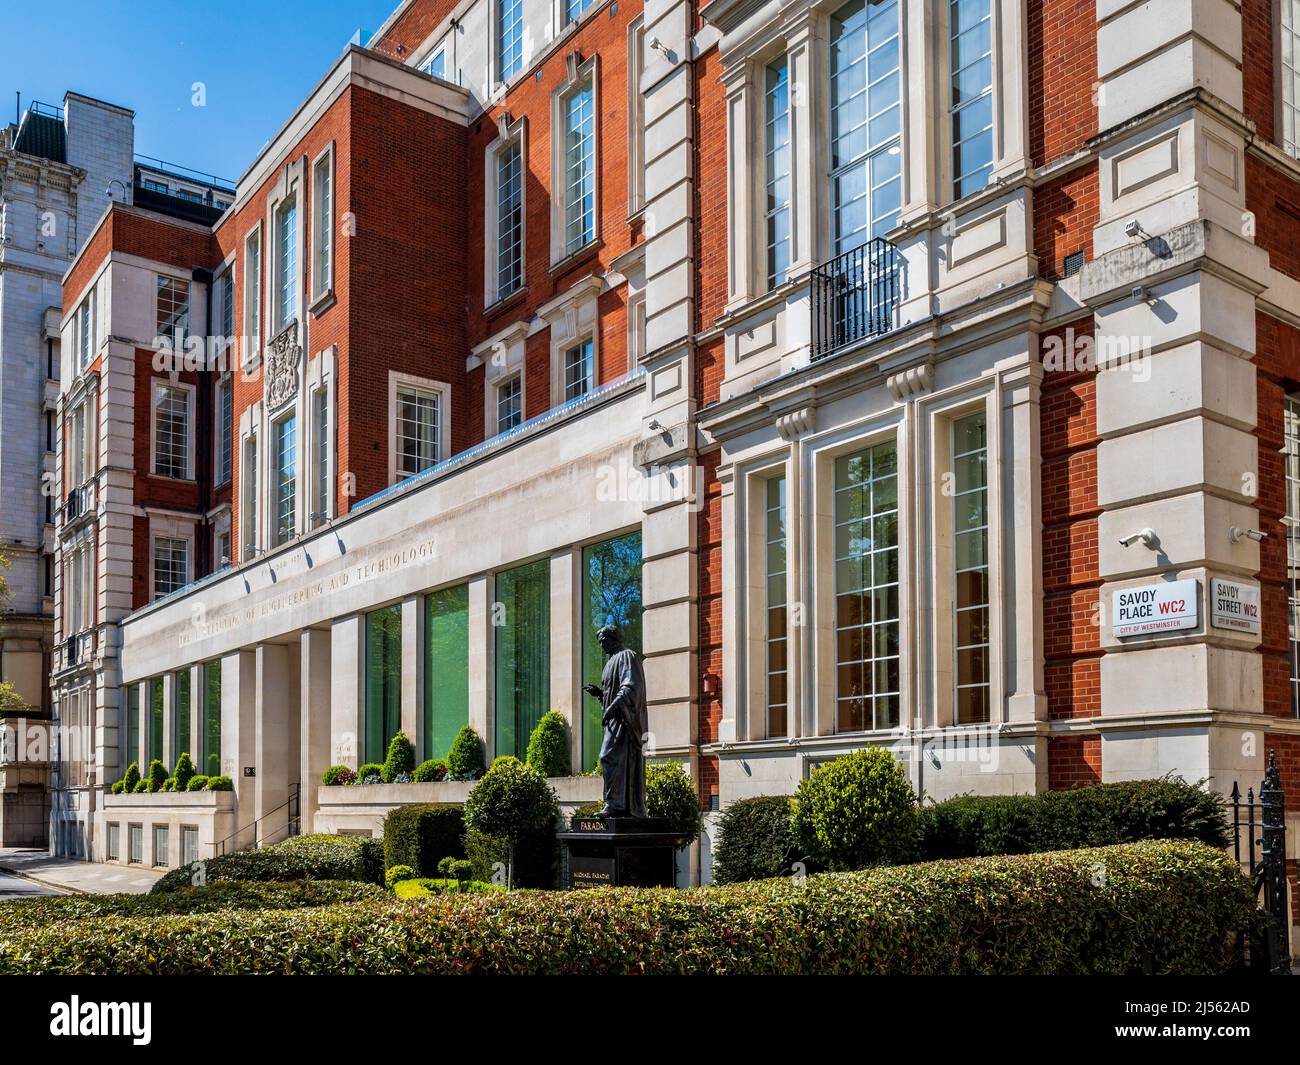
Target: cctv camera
1235,533
1132,228
1147,536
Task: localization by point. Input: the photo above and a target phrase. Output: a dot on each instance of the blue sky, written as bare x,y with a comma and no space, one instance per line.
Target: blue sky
256,60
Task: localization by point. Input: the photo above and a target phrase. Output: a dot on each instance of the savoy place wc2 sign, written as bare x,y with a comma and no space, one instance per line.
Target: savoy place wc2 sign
1149,608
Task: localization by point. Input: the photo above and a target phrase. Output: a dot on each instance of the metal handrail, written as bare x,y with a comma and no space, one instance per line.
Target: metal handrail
854,296
293,824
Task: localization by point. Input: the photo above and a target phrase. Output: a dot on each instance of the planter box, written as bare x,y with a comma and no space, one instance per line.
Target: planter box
361,808
171,800
205,818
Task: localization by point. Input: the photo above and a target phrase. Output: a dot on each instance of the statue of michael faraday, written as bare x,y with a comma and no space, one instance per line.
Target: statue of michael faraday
622,698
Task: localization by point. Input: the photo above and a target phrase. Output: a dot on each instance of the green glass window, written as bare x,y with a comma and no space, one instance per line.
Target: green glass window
383,679
971,566
156,711
522,619
446,668
132,726
866,590
611,592
210,763
180,714
774,534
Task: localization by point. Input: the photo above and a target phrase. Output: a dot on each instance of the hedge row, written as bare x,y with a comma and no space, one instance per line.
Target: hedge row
423,887
1156,906
1094,816
421,835
316,857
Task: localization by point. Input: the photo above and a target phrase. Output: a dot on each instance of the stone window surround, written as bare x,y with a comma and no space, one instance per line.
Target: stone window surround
928,581
509,130
225,384
175,526
322,286
253,320
156,385
803,36
322,373
573,317
578,72
636,118
293,178
502,357
219,518
442,390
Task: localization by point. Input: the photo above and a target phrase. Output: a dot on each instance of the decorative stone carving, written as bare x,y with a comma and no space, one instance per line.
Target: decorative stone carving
282,358
911,382
796,423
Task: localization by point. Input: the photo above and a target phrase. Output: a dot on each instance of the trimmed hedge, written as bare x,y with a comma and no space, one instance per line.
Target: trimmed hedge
220,783
399,763
466,760
548,746
29,914
755,840
431,770
1162,907
670,793
184,772
316,857
338,774
856,811
1093,816
421,835
370,773
425,886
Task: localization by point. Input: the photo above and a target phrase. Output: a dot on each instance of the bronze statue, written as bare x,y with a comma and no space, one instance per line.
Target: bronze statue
622,698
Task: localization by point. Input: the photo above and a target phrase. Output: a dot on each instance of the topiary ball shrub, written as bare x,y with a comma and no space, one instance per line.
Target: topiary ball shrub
222,783
513,802
184,771
755,840
118,787
131,778
400,761
141,786
431,770
548,746
670,793
420,834
198,782
466,760
370,773
856,811
157,775
395,873
169,784
337,775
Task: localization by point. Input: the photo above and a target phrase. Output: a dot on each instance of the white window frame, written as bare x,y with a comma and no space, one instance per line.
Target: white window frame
284,272
163,527
159,385
439,49
219,519
579,75
250,533
170,279
593,379
277,538
951,111
499,76
254,268
398,382
323,210
223,442
86,331
508,134
1288,77
635,118
497,389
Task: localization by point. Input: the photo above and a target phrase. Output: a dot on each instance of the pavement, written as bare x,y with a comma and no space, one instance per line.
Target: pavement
68,876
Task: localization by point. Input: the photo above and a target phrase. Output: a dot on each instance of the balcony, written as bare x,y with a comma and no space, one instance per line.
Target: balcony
854,297
80,503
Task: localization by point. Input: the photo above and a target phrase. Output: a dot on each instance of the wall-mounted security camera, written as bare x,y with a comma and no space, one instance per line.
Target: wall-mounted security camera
1236,533
1141,295
1147,536
1133,228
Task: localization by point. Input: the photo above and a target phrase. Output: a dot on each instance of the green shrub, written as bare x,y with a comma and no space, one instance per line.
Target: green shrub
856,811
418,835
118,787
1161,906
36,913
131,778
221,783
370,773
338,774
548,746
157,775
465,760
455,869
169,784
315,857
415,889
670,793
430,770
394,873
1094,816
141,786
754,840
198,782
400,761
512,802
184,771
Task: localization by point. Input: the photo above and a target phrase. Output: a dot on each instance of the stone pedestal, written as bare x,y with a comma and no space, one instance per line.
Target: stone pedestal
620,852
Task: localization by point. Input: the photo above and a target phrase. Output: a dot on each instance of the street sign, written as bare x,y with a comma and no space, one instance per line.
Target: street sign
1150,608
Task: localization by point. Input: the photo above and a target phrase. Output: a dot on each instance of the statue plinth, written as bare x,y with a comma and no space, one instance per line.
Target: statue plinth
620,852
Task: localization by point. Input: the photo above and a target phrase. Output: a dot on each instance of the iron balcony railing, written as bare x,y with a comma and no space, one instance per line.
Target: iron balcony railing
854,296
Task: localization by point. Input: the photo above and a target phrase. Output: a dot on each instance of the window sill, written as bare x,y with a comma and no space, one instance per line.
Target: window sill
322,303
173,480
587,251
500,305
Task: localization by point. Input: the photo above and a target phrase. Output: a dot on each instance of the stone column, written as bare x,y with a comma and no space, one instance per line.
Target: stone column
566,643
413,671
347,690
480,657
238,719
314,719
195,739
276,738
168,754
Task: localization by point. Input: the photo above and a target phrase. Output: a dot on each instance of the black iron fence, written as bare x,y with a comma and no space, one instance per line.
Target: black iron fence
1262,821
854,296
